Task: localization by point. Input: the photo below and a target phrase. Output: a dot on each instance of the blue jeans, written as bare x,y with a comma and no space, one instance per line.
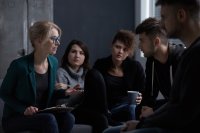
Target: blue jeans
120,112
114,129
42,122
117,129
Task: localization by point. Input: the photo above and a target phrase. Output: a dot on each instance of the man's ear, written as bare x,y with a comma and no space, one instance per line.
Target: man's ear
157,41
181,15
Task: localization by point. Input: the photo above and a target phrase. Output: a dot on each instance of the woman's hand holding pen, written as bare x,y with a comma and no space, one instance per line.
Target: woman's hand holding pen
75,89
30,110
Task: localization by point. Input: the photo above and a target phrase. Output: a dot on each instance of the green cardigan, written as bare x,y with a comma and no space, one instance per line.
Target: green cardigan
18,89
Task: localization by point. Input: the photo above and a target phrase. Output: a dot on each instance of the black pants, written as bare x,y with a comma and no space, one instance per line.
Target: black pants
42,122
93,109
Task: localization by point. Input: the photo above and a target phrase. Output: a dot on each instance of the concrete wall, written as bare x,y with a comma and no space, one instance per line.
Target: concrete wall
94,22
15,18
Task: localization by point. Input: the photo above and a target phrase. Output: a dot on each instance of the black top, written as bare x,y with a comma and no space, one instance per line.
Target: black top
133,78
41,89
115,90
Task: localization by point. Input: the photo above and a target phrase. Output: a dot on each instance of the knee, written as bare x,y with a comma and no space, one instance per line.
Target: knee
49,119
70,118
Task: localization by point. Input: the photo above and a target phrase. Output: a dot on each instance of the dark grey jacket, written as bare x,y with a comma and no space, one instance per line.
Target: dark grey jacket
159,76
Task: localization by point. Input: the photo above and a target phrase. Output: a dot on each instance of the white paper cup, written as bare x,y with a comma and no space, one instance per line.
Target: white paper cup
132,96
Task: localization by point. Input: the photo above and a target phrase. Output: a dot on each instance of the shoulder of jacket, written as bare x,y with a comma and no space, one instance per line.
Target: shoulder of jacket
21,60
53,58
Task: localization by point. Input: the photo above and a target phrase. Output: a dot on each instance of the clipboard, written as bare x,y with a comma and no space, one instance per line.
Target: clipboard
54,109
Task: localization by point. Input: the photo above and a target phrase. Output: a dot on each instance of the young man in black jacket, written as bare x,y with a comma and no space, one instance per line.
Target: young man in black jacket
181,114
161,64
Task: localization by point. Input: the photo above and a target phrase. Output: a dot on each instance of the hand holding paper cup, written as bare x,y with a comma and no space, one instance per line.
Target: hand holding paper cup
132,96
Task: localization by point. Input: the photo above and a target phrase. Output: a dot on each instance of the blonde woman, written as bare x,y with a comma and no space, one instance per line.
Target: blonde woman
29,84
